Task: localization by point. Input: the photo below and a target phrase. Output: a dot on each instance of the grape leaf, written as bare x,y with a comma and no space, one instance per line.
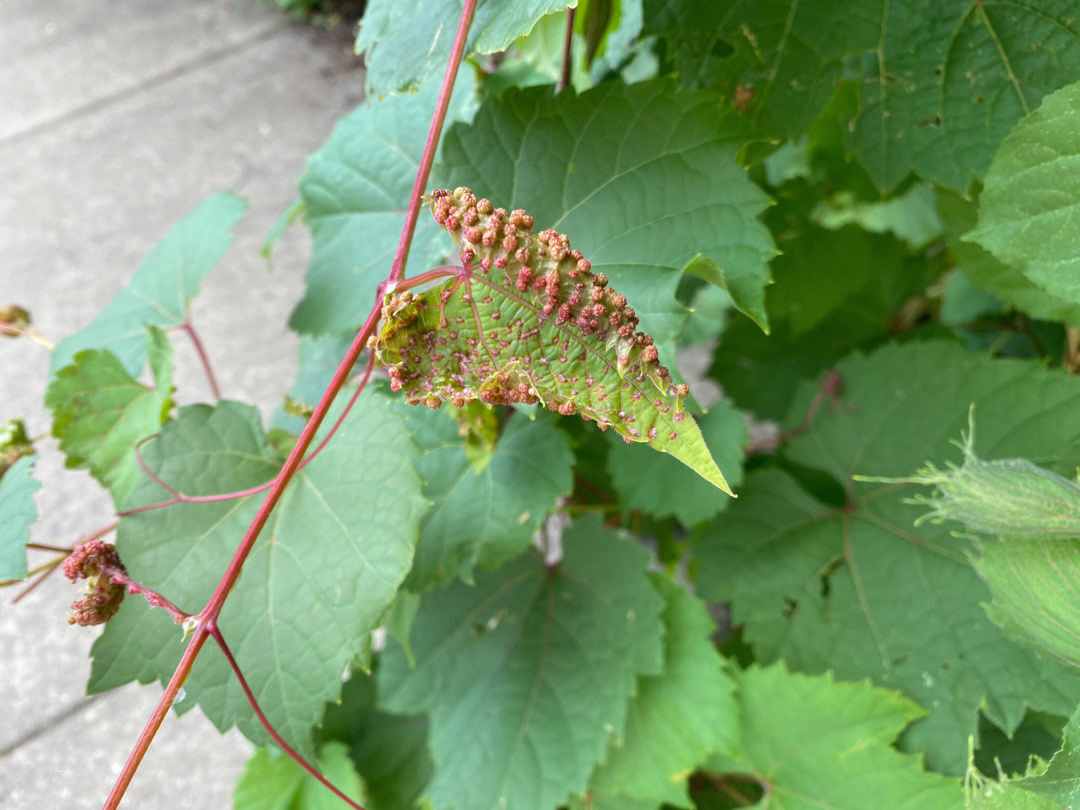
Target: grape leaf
525,677
941,84
1034,585
659,486
318,357
531,323
678,718
990,795
1027,210
984,271
817,742
355,193
100,412
642,177
487,515
854,588
159,292
273,781
1060,782
335,550
407,42
17,514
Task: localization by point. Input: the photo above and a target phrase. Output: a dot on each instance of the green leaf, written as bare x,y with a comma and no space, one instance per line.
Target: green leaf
642,177
940,84
659,486
1005,795
159,292
854,588
532,324
273,781
355,193
334,551
1027,210
1034,585
100,412
1060,782
525,677
17,514
678,718
984,271
818,743
407,42
318,357
487,515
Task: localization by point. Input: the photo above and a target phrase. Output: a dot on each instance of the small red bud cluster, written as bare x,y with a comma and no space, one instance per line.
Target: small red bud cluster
93,562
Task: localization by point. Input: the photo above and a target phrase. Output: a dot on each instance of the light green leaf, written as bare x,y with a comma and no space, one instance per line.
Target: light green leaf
159,292
1005,795
330,560
856,588
819,743
659,486
1027,212
911,217
273,781
532,324
407,43
525,677
642,177
100,412
678,718
355,193
1060,782
984,271
17,514
485,516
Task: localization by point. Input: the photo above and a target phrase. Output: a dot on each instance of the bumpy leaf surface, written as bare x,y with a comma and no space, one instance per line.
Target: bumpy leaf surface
659,486
355,193
17,514
819,743
857,589
531,323
525,677
100,412
642,176
273,781
678,718
485,515
1028,209
329,563
941,83
159,292
406,43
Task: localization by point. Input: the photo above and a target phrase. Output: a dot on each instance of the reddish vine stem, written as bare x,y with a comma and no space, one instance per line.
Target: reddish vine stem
61,549
284,746
52,566
203,357
207,618
568,55
154,598
397,270
180,497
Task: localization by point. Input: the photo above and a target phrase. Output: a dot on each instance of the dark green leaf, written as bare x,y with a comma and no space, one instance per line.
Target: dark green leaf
100,412
407,42
273,781
642,177
332,556
857,589
159,292
17,514
678,718
526,676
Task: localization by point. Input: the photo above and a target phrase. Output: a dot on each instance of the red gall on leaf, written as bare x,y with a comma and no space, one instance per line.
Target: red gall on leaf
527,321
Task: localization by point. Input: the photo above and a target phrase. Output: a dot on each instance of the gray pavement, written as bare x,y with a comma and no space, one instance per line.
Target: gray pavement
116,119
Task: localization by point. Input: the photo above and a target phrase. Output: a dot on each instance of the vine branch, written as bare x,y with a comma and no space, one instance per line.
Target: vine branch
568,55
204,359
206,620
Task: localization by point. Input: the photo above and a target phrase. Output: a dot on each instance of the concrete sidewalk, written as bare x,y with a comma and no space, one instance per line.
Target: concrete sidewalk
116,119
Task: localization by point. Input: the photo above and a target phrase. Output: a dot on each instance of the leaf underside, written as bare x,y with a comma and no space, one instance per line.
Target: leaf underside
17,513
527,321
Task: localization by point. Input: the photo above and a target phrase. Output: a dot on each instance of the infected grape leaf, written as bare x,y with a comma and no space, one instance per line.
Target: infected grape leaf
527,321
